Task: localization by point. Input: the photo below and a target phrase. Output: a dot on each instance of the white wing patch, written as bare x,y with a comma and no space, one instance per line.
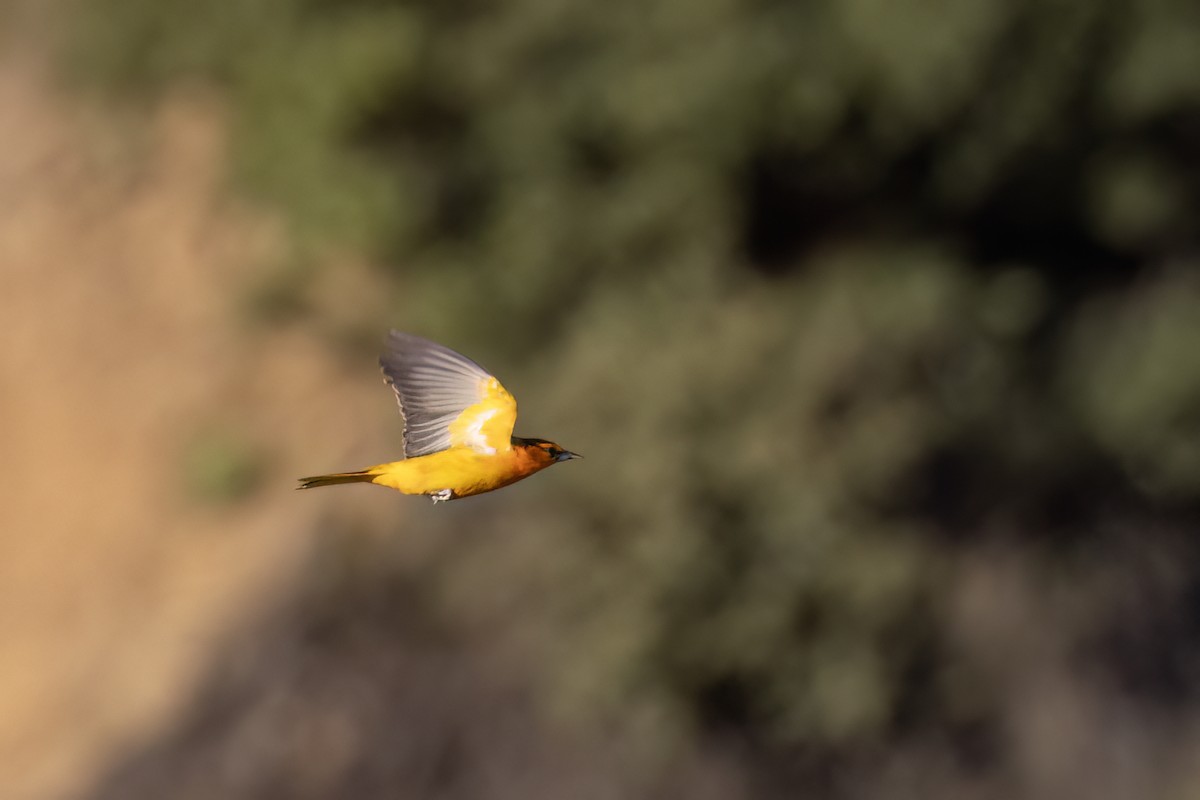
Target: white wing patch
474,433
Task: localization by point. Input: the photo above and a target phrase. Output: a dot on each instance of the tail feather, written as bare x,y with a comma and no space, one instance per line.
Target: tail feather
362,476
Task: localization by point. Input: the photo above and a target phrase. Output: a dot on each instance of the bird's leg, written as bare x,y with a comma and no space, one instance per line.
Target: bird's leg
441,495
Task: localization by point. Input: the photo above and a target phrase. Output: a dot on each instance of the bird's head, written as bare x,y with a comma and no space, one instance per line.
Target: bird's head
543,452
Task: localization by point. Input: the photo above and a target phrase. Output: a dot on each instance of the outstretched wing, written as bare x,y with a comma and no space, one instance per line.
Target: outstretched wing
446,399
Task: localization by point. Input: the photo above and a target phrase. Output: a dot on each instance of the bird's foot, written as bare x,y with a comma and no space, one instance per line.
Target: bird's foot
441,495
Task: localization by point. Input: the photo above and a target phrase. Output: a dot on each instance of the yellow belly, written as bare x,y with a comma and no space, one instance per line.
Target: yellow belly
462,470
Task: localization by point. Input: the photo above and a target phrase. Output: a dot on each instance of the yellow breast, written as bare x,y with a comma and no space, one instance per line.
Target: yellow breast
463,470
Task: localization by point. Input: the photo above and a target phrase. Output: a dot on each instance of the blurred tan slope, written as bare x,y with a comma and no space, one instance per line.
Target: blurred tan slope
117,275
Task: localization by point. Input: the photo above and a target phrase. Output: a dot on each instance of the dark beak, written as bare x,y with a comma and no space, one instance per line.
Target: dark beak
567,455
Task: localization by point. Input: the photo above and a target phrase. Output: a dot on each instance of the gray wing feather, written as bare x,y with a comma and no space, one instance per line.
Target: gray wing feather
433,385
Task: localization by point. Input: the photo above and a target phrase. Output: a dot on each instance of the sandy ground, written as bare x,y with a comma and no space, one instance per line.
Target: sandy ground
121,274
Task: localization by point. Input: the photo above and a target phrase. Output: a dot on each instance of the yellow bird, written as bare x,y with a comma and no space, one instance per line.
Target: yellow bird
458,423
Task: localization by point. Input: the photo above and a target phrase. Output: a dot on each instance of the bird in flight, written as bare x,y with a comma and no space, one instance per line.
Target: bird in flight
458,423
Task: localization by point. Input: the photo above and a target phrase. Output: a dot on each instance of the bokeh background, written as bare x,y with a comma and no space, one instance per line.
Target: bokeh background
877,322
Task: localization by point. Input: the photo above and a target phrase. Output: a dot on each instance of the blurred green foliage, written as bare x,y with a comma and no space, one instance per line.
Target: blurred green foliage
828,293
220,466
